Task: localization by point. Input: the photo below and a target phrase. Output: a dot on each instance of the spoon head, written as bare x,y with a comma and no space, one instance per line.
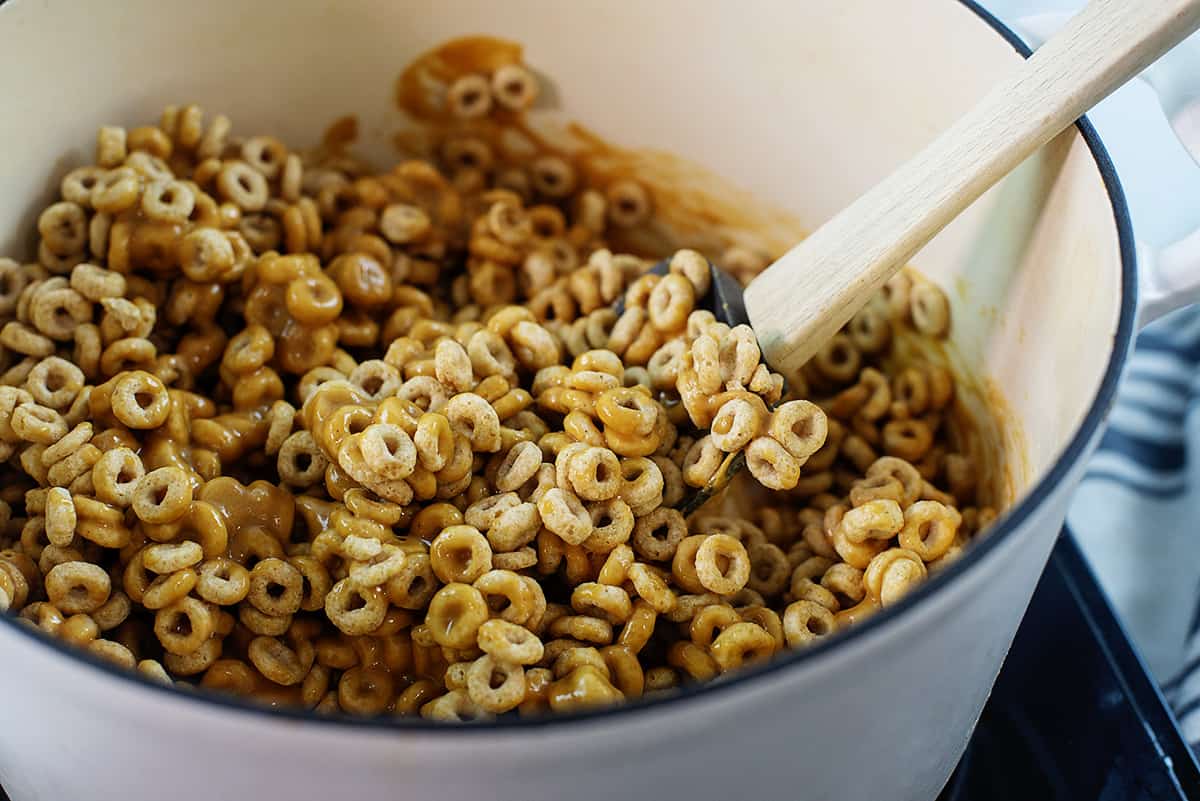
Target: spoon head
725,300
724,297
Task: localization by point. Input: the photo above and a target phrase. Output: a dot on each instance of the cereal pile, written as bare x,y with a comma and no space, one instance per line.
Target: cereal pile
377,443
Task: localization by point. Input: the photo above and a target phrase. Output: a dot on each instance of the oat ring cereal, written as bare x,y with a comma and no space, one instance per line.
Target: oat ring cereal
373,440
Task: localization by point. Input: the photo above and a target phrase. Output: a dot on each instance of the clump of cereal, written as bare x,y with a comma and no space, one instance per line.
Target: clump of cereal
283,426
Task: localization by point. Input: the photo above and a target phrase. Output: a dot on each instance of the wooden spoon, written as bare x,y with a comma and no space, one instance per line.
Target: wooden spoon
803,299
798,303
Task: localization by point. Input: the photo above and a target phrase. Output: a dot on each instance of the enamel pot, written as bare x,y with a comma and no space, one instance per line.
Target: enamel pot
802,103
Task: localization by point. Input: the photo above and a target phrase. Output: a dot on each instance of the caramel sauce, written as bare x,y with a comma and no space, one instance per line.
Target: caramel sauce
261,506
275,696
340,134
419,87
231,676
987,430
327,401
315,512
858,613
232,435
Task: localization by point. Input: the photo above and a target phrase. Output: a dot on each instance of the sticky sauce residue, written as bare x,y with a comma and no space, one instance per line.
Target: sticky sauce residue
981,421
1016,473
420,89
962,287
258,507
340,134
693,207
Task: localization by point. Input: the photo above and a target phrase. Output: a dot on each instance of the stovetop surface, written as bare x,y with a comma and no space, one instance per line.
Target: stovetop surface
1074,715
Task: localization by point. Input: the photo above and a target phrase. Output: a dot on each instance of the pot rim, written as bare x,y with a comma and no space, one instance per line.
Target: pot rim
974,555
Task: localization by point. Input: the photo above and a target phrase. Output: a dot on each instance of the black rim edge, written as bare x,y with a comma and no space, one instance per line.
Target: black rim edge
1012,520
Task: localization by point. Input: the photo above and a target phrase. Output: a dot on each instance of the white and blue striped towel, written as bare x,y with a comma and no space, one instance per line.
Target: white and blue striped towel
1137,512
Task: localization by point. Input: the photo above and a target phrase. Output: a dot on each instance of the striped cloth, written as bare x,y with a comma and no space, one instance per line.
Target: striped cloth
1137,512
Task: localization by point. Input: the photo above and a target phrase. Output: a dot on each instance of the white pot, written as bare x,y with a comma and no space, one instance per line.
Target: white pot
804,104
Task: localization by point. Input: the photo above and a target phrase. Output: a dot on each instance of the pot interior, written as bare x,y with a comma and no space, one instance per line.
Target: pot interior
789,128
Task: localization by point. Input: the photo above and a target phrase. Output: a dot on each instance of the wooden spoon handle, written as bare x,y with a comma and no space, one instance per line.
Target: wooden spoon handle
802,300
